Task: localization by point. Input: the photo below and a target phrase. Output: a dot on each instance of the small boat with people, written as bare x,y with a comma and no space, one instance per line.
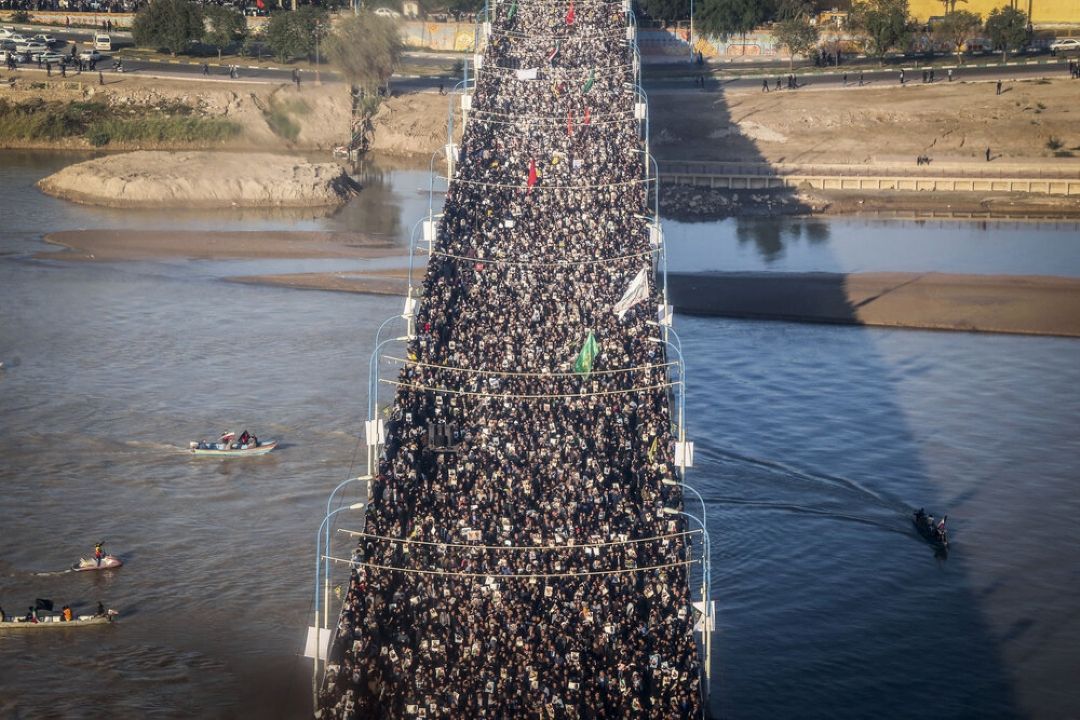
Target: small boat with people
932,531
41,616
101,560
229,445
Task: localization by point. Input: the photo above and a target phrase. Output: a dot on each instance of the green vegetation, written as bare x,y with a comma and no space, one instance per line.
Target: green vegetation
169,24
225,26
1008,30
1054,143
366,48
956,29
20,16
100,125
884,23
292,34
281,122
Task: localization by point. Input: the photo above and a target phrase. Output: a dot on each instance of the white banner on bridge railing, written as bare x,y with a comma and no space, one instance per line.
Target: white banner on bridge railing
684,454
527,73
375,432
663,315
478,61
699,616
323,642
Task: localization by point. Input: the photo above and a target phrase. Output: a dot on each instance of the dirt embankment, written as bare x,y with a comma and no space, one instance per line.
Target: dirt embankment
268,117
153,179
1030,122
414,124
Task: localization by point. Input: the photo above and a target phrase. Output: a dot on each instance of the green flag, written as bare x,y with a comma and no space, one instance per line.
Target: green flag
513,11
588,353
590,81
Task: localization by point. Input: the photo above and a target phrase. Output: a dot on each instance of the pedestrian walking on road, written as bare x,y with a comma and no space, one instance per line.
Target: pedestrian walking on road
48,69
765,85
901,77
860,79
950,74
931,76
778,86
206,68
987,153
100,78
998,88
845,79
63,70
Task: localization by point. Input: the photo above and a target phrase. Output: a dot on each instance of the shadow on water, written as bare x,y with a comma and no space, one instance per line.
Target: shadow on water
829,603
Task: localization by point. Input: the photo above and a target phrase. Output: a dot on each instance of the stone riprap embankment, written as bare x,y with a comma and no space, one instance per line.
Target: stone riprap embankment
154,179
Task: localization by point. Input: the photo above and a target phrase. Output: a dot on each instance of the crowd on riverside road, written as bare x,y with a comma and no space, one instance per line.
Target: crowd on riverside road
516,560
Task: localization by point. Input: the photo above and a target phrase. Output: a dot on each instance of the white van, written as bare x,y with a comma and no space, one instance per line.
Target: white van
103,42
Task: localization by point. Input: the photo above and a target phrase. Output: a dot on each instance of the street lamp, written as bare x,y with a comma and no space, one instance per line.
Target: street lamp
682,384
318,31
318,628
676,483
706,583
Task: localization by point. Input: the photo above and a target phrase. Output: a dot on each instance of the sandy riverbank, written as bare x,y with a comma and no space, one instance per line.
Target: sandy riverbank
159,179
118,245
1036,305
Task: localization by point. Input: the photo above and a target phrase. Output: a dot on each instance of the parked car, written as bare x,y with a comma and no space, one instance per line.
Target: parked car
90,56
6,44
1065,45
49,56
47,39
17,38
31,48
7,31
103,42
387,12
5,54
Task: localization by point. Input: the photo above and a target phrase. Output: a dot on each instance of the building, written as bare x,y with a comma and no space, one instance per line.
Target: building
1042,12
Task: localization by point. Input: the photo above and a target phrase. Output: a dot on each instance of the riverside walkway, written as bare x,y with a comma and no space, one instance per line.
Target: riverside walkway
525,553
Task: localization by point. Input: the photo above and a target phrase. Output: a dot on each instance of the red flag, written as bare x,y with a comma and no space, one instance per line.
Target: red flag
569,122
586,116
570,14
261,4
532,176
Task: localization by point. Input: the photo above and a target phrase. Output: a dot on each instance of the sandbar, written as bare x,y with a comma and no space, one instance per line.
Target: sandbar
113,245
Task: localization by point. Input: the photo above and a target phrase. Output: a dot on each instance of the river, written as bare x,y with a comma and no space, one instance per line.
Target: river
813,443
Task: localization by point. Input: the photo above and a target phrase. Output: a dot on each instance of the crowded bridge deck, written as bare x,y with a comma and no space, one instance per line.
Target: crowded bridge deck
524,552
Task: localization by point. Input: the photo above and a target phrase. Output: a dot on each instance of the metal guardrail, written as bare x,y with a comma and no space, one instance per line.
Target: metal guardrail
676,167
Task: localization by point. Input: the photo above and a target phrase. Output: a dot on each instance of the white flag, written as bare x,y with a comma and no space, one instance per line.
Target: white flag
528,74
637,292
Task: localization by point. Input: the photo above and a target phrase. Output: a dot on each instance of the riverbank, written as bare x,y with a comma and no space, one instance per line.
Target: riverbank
126,112
1030,305
1035,305
158,179
119,245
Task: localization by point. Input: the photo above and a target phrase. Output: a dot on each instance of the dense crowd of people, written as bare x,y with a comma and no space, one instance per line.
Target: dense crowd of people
516,560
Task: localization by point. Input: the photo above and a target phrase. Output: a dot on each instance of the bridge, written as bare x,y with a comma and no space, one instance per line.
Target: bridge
525,552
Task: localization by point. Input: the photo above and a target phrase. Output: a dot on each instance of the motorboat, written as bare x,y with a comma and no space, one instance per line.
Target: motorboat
229,446
108,562
935,534
57,621
232,449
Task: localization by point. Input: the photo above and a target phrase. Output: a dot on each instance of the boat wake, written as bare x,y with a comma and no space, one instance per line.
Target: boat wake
790,471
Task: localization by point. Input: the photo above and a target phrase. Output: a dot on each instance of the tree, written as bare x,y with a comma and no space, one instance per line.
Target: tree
1007,28
884,23
169,24
956,28
950,5
797,35
365,47
292,34
666,10
724,18
224,26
